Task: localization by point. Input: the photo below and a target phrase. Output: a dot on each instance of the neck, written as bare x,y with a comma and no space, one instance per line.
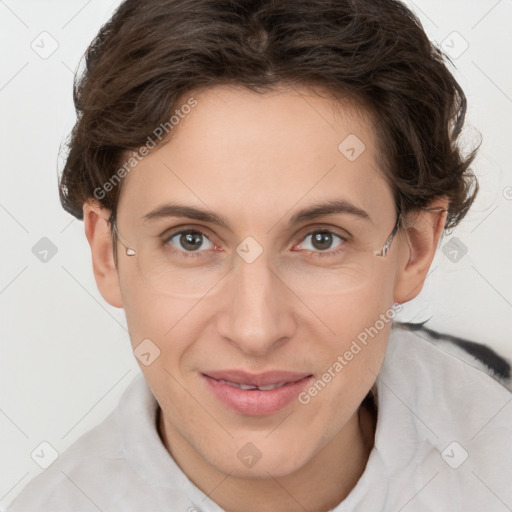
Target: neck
320,485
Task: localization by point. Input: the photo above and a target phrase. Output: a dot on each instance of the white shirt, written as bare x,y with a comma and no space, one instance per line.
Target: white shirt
429,402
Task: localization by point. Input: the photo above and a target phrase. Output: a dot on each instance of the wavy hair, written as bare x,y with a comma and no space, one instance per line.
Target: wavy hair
152,52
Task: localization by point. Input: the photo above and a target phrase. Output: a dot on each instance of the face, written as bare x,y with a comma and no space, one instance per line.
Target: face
225,310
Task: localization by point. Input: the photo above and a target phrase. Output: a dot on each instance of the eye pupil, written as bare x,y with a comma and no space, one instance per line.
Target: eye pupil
191,240
322,240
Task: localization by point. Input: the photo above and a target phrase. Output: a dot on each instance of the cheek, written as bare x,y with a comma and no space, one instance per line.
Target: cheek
149,315
164,327
350,367
346,315
352,353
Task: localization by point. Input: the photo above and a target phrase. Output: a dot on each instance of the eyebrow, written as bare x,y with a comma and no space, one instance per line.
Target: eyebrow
332,207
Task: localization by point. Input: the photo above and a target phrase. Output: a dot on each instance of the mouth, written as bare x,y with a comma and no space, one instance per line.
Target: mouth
249,386
256,394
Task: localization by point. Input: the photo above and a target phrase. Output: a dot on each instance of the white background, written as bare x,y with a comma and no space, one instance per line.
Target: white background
65,354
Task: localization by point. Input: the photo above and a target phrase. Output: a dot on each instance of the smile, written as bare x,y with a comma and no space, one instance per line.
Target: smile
255,395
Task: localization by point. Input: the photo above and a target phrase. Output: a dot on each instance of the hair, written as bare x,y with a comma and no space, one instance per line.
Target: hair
151,53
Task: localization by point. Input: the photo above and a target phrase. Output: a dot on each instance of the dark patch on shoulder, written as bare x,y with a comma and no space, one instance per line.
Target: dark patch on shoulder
486,355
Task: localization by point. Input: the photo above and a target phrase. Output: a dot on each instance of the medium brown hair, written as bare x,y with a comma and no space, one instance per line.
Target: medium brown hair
153,52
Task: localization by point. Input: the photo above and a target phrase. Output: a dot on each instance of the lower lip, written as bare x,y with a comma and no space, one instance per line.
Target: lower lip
254,402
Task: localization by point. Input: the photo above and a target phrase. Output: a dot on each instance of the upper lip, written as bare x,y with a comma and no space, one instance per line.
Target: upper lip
268,378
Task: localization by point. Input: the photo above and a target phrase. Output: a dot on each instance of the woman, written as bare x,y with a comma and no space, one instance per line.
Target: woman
263,184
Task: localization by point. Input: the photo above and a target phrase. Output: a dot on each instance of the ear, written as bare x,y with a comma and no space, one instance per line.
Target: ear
98,233
418,248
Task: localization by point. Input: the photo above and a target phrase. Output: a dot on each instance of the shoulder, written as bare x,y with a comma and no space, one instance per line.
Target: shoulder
451,418
434,368
91,473
442,394
475,353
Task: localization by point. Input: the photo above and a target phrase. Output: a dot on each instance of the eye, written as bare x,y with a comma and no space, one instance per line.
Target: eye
189,241
321,241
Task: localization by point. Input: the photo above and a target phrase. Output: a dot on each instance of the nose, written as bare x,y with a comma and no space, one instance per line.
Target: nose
257,313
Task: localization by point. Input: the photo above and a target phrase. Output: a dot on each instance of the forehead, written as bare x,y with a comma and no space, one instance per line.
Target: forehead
254,156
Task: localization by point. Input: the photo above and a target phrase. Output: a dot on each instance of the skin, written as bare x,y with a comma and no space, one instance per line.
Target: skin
274,150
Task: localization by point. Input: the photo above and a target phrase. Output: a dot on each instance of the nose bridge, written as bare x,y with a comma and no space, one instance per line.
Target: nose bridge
257,314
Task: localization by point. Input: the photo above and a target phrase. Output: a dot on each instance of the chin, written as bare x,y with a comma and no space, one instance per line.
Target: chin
262,469
262,459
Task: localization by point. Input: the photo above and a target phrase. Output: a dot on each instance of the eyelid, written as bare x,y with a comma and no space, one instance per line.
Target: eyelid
335,230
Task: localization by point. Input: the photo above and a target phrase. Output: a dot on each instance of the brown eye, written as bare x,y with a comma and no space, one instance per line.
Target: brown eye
188,241
321,241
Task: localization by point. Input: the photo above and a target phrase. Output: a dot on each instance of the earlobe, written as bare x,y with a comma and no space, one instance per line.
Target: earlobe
98,233
418,246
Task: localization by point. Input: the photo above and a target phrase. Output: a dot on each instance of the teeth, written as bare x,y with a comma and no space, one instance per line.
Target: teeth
249,386
246,386
272,386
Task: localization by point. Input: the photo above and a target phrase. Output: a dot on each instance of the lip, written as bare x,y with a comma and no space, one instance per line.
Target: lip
255,402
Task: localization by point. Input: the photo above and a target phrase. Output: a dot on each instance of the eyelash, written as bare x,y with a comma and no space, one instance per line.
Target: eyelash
195,254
